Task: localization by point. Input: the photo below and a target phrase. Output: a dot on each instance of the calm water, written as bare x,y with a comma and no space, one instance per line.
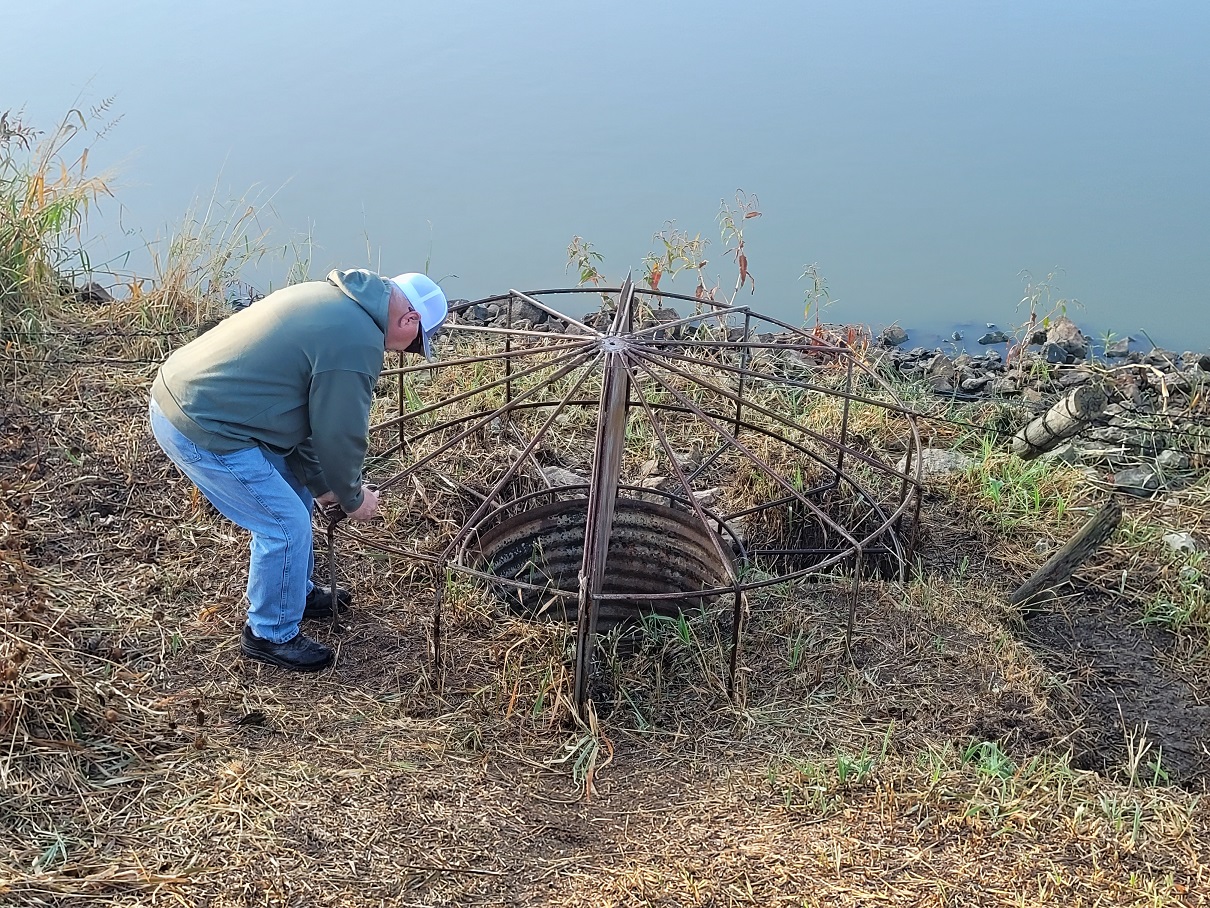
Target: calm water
922,154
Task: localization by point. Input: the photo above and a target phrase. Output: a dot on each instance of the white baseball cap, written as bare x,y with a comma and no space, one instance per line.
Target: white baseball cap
427,299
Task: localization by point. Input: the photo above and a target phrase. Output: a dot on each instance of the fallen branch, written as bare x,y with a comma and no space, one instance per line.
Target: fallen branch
1061,421
1059,568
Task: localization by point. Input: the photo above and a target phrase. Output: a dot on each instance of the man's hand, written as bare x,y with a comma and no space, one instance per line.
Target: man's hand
369,504
327,499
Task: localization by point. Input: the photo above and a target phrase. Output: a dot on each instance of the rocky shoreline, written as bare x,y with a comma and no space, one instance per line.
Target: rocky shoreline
1153,435
1154,432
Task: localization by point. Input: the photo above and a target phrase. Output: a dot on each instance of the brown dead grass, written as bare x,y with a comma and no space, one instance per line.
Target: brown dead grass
144,763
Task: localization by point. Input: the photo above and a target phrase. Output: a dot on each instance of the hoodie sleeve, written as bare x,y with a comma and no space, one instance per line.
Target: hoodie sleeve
339,407
305,464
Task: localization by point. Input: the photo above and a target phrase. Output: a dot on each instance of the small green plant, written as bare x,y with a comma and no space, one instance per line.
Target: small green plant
586,260
817,297
1181,599
804,785
657,626
988,759
853,770
796,650
731,220
1018,491
1044,305
678,252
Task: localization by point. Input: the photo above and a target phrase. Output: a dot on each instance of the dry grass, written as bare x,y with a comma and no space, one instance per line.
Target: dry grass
144,763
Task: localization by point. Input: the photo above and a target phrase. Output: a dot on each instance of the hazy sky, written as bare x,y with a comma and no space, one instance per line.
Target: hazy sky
922,154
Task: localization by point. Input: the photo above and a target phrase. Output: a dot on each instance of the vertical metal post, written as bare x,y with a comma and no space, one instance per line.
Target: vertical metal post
602,492
508,360
743,364
844,419
904,485
439,575
737,629
848,634
402,408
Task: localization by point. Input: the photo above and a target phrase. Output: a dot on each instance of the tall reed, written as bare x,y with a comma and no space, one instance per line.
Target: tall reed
45,195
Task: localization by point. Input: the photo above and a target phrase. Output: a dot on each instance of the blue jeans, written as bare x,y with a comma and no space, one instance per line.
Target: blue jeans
256,490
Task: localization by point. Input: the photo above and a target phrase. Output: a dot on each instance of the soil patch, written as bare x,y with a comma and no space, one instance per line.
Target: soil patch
1130,704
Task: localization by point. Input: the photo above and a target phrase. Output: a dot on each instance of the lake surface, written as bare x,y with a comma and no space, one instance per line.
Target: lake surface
923,154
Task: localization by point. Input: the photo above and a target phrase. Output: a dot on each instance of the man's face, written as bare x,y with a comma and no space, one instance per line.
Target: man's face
403,324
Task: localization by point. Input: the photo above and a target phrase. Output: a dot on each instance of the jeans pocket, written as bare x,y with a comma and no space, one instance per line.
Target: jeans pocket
186,451
178,448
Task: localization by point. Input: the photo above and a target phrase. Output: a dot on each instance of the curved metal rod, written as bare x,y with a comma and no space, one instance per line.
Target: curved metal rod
724,313
519,504
599,291
486,357
517,332
796,330
875,509
762,465
828,466
662,407
555,312
897,407
470,523
723,557
772,414
457,398
660,294
746,586
576,363
753,345
701,382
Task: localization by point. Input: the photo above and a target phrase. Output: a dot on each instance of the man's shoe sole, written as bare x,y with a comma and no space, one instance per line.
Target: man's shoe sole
269,659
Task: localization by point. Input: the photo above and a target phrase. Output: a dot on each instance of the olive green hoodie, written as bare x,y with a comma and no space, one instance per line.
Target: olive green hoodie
294,373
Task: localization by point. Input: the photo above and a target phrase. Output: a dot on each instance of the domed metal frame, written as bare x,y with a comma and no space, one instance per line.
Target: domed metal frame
664,372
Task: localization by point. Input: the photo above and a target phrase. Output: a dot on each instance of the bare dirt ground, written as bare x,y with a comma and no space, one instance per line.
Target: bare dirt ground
957,755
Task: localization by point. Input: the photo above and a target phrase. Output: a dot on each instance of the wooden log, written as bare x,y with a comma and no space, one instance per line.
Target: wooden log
1060,566
1061,421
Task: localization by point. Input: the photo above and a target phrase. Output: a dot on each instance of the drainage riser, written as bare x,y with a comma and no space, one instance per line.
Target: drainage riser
653,549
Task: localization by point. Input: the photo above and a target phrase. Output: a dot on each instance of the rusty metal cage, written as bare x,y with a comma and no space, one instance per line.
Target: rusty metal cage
636,460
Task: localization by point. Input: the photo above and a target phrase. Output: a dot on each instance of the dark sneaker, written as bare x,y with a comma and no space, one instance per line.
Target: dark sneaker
319,602
299,654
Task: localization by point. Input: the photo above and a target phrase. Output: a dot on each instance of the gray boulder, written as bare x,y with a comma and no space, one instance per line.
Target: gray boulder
942,367
1067,335
1074,378
892,336
935,462
1161,358
657,319
1140,481
1172,460
1054,354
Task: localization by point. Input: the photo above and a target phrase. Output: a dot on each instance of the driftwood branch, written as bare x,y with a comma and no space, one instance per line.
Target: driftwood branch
1061,421
1064,562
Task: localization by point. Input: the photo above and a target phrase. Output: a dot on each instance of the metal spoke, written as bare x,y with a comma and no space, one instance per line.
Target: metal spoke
610,547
